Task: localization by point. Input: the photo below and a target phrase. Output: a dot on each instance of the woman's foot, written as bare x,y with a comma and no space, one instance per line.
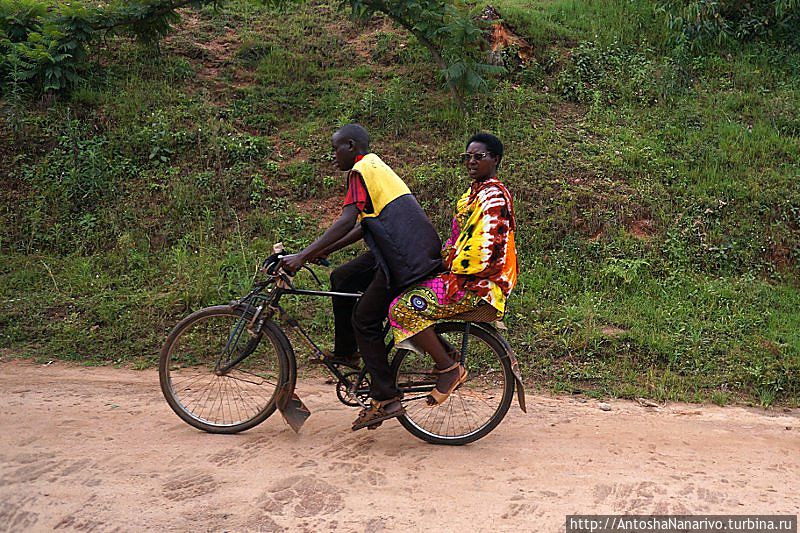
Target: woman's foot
449,379
373,416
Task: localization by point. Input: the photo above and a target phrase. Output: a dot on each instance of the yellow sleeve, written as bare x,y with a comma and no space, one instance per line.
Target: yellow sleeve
471,256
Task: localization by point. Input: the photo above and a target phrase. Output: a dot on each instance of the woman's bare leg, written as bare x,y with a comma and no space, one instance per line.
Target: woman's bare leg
429,341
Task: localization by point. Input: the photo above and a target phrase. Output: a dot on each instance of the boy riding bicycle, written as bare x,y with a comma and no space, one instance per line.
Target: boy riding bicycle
404,248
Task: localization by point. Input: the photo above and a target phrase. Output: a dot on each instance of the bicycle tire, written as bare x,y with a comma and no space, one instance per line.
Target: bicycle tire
458,420
192,388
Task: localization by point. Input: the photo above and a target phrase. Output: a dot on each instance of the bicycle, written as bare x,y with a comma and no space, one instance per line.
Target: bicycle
227,368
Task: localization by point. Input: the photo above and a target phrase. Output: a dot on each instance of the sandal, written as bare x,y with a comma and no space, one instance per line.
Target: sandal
435,397
453,352
373,416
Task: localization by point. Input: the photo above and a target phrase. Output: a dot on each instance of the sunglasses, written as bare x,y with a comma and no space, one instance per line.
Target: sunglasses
477,156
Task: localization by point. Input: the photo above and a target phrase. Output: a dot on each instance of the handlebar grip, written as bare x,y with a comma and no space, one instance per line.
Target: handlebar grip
271,262
323,262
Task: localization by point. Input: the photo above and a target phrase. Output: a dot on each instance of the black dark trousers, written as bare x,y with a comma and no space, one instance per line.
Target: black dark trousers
360,325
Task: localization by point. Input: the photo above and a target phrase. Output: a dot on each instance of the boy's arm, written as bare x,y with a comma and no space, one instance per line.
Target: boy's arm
353,235
342,227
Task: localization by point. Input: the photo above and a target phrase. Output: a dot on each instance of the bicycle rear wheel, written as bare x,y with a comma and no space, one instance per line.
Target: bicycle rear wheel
476,407
202,380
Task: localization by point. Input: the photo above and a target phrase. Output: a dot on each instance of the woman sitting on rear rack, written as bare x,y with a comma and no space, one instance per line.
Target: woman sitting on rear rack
481,262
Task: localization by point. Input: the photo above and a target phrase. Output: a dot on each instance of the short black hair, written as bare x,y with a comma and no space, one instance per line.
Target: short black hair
492,143
355,132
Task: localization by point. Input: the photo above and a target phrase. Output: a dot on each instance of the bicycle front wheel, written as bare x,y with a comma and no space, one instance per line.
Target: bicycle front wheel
476,407
220,378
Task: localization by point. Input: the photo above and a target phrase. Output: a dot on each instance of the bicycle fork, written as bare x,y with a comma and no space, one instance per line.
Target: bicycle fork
252,324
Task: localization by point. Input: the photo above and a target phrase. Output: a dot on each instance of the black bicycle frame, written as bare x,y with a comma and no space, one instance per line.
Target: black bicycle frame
294,324
272,301
279,292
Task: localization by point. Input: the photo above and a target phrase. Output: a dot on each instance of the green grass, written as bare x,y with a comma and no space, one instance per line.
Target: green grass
656,193
554,21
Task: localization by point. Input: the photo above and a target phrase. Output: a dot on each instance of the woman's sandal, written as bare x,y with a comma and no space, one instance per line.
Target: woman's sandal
373,416
454,354
435,397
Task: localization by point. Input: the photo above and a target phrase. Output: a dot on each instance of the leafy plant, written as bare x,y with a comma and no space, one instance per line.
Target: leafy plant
453,38
699,23
615,72
625,271
49,43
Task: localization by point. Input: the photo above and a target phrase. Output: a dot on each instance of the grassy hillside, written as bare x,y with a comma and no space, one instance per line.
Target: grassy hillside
656,191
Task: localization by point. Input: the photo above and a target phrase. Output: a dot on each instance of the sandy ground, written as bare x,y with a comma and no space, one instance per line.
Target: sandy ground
98,449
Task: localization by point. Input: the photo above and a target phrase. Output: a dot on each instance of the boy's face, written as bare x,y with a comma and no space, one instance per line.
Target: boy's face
344,150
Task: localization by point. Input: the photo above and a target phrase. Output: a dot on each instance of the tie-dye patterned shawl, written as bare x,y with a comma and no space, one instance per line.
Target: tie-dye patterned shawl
480,254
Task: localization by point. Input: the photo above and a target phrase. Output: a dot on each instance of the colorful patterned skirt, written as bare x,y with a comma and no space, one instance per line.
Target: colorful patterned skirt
426,303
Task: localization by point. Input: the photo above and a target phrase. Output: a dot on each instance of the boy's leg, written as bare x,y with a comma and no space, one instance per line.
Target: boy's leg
368,318
353,276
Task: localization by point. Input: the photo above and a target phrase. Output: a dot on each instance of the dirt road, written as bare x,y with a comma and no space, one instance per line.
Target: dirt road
98,449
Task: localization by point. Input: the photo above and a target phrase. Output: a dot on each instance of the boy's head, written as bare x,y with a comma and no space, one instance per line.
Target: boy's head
348,142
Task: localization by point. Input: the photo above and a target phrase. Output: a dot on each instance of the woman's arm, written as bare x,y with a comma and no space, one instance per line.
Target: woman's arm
447,248
486,230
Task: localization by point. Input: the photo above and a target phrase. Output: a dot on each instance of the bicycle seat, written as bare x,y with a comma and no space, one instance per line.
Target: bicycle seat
483,313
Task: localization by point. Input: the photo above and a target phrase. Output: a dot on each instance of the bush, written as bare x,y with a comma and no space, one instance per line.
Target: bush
45,49
699,23
44,44
614,72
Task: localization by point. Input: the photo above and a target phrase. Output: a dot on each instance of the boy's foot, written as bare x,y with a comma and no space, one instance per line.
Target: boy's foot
373,416
353,360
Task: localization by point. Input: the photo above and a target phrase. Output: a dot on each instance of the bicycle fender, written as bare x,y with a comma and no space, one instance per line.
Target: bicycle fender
517,378
488,328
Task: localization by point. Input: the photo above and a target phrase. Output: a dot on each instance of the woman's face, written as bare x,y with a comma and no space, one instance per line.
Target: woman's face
483,168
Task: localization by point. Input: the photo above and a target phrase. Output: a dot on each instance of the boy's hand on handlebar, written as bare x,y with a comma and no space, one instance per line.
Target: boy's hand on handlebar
321,260
292,263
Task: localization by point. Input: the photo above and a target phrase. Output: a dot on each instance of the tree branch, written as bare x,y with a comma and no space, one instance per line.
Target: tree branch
163,10
422,38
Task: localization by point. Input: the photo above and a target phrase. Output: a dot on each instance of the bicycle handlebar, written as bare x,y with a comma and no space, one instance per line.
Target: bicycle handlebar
270,265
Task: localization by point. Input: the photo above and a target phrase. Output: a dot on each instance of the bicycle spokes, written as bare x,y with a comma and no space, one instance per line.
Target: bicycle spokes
218,379
476,406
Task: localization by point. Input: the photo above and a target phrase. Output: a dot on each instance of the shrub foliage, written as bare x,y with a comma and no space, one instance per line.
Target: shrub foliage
699,23
45,45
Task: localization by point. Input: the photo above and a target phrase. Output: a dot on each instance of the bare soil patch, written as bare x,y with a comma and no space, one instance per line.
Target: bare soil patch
87,448
323,210
642,229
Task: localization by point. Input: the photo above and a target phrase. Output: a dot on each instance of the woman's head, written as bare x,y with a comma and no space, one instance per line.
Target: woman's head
483,155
